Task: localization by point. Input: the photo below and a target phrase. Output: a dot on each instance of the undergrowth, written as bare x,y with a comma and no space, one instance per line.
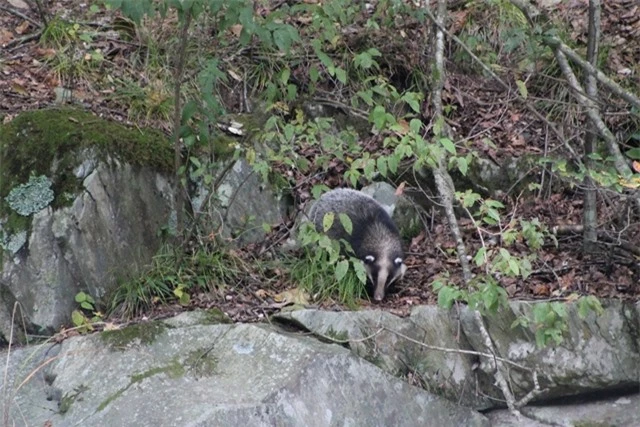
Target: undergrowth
172,278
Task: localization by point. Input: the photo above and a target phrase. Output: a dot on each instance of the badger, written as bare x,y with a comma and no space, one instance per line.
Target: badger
374,237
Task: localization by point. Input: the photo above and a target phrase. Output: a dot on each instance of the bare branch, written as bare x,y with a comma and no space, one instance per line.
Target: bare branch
590,213
528,105
592,112
533,15
444,183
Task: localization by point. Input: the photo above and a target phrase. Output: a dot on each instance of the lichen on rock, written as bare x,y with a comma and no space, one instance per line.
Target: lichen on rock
32,197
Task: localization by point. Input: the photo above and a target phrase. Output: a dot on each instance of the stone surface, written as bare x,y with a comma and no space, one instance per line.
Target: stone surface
619,411
211,375
240,206
396,345
109,230
598,353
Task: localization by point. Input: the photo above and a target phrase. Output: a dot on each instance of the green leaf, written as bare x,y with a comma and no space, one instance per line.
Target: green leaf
366,96
86,305
633,153
363,60
413,101
463,165
381,163
292,91
184,299
448,145
323,57
346,222
522,88
135,9
327,221
341,269
378,116
78,318
284,76
480,257
369,169
284,38
514,266
341,75
314,74
415,125
393,162
447,296
361,272
81,297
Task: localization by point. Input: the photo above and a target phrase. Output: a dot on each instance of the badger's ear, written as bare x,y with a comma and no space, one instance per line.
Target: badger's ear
397,261
369,259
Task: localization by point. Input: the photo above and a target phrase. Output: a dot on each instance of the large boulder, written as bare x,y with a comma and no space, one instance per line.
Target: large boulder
83,205
241,207
598,353
442,348
190,373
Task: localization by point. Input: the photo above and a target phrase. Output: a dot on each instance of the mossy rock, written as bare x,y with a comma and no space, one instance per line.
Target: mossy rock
53,143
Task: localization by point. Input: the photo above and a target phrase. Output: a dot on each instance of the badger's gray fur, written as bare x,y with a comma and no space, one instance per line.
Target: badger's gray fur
374,237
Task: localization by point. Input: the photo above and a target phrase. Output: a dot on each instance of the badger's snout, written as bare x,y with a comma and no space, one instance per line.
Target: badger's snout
382,273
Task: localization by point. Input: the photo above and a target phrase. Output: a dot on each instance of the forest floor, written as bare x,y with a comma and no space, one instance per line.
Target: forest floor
29,80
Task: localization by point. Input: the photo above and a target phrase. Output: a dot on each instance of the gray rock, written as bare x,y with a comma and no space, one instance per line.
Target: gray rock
210,375
598,353
620,411
109,231
240,206
393,344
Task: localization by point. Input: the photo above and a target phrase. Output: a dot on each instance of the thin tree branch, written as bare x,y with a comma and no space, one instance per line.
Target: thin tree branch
505,86
592,112
444,183
590,212
534,15
21,15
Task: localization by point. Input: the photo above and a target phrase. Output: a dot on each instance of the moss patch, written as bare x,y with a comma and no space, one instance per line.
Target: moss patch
51,143
142,333
215,316
173,370
69,399
201,363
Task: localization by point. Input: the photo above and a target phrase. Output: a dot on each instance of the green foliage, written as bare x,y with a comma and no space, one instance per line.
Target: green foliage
603,172
550,322
284,142
494,260
80,318
589,304
323,270
176,278
484,294
71,55
549,319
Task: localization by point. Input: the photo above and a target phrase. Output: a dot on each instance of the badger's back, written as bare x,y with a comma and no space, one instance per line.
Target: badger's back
374,237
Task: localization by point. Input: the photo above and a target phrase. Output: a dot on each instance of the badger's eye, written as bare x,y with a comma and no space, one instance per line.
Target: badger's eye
397,261
369,259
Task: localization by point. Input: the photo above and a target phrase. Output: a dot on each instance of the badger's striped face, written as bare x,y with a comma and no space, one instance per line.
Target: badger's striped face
382,272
